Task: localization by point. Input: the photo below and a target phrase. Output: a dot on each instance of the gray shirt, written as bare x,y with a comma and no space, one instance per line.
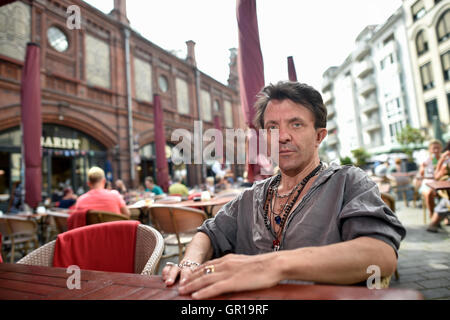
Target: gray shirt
342,204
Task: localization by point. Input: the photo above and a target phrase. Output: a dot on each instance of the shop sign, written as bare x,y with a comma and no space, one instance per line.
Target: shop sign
60,143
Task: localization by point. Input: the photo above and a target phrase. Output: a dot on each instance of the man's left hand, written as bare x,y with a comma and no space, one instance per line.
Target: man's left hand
231,273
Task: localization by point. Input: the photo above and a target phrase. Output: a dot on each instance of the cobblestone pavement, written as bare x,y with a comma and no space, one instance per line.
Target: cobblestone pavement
424,257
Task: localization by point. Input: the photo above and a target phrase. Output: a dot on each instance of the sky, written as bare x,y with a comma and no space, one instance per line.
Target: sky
317,33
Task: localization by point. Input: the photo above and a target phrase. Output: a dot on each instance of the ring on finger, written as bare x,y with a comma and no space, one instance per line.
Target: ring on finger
209,269
170,264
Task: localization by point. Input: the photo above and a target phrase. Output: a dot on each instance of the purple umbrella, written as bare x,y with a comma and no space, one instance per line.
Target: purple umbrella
5,2
250,66
291,69
32,125
162,170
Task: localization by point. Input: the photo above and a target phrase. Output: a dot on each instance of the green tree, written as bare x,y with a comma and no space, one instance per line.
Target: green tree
346,160
361,156
409,138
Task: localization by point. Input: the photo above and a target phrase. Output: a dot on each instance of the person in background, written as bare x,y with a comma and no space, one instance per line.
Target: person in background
178,188
68,199
150,186
382,169
427,173
397,167
120,187
210,185
98,198
108,185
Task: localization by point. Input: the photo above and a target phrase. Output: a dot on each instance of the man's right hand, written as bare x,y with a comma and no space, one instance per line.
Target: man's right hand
171,271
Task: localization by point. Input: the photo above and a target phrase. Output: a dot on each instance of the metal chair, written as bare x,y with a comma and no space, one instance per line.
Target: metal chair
390,202
18,233
148,251
177,224
96,216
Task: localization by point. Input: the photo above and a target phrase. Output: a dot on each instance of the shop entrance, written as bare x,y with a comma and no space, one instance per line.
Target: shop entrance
61,171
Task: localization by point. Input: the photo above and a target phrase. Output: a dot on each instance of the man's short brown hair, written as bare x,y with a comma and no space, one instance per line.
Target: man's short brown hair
300,93
95,174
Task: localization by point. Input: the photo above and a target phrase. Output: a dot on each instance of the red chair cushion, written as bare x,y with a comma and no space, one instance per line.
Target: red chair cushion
76,219
194,195
108,246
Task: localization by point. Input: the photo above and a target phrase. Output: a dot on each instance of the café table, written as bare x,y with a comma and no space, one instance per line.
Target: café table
206,205
144,210
25,282
41,220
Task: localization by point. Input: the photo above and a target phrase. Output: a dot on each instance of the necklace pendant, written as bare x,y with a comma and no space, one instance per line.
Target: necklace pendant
276,245
278,220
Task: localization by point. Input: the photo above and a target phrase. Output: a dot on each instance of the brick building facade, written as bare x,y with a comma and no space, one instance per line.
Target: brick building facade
91,111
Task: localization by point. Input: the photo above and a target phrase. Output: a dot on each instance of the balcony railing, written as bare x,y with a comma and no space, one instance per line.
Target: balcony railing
326,84
363,68
369,105
361,51
331,111
367,86
371,124
327,97
331,125
332,139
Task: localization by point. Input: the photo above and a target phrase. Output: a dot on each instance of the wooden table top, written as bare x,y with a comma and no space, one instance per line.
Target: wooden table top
439,185
207,203
24,282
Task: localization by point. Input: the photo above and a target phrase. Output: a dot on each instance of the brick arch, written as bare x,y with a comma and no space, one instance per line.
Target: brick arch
76,119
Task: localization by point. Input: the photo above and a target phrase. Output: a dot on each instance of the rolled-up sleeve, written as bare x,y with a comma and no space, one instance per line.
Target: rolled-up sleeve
364,213
222,229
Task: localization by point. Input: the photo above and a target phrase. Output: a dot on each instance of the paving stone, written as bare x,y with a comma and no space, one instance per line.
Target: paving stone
434,283
406,285
437,275
436,293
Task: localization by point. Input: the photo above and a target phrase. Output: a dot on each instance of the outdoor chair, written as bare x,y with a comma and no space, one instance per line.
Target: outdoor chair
148,248
96,216
390,202
18,234
177,224
402,186
58,221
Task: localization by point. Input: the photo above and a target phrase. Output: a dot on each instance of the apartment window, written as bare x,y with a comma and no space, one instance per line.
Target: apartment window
388,39
445,60
418,10
448,101
393,108
427,76
443,27
421,43
432,110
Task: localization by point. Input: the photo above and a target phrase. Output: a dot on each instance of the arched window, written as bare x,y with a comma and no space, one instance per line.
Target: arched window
421,43
443,27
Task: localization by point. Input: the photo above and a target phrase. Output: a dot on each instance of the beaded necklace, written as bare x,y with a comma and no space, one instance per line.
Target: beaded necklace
287,207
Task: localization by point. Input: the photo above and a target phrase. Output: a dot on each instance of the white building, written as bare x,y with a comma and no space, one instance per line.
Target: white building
428,30
372,91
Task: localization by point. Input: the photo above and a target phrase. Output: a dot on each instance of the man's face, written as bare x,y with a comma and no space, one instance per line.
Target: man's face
298,139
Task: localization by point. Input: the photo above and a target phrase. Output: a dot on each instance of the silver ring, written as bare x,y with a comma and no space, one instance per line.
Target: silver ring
209,269
170,264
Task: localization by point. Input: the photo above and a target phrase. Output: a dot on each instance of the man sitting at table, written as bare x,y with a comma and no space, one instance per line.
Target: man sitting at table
311,222
178,188
98,198
150,186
